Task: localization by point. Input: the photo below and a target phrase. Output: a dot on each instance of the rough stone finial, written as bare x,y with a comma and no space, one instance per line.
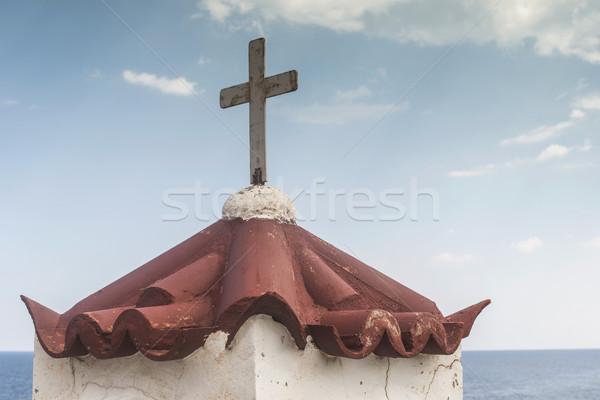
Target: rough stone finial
260,201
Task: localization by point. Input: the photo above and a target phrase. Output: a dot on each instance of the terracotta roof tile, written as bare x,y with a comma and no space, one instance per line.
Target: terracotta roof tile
234,269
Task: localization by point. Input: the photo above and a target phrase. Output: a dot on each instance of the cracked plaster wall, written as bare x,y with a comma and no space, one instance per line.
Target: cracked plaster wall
263,362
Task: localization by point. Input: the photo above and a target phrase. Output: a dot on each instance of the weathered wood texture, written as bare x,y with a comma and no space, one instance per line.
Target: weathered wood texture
255,92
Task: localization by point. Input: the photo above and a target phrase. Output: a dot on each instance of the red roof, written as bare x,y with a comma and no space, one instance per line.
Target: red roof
234,269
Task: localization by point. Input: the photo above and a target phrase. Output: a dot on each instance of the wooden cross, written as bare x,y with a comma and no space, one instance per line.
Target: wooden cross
256,91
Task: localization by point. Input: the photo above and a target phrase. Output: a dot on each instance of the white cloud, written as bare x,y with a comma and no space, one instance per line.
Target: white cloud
589,102
582,84
578,165
539,134
178,86
10,102
95,74
528,246
380,72
477,171
342,96
587,146
342,109
338,114
545,132
594,243
377,74
554,151
218,9
338,15
558,151
489,168
577,114
203,60
553,26
452,260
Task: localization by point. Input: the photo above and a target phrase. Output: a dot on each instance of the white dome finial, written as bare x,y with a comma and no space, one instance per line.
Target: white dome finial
260,201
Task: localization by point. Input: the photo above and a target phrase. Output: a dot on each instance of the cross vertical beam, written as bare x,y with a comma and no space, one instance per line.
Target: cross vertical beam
255,92
258,123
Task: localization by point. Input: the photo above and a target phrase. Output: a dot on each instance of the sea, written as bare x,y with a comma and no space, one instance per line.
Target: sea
487,375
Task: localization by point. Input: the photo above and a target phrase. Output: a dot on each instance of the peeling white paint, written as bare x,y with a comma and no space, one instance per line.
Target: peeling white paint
260,201
263,362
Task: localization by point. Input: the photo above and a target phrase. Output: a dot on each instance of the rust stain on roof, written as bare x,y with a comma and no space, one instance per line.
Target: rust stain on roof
234,269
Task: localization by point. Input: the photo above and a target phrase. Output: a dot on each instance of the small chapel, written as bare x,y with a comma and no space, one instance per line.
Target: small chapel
253,307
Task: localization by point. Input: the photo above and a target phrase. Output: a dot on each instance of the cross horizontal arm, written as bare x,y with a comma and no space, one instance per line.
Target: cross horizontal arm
281,83
274,86
235,95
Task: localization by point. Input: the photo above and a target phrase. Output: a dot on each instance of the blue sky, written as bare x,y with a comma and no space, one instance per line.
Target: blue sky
493,107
